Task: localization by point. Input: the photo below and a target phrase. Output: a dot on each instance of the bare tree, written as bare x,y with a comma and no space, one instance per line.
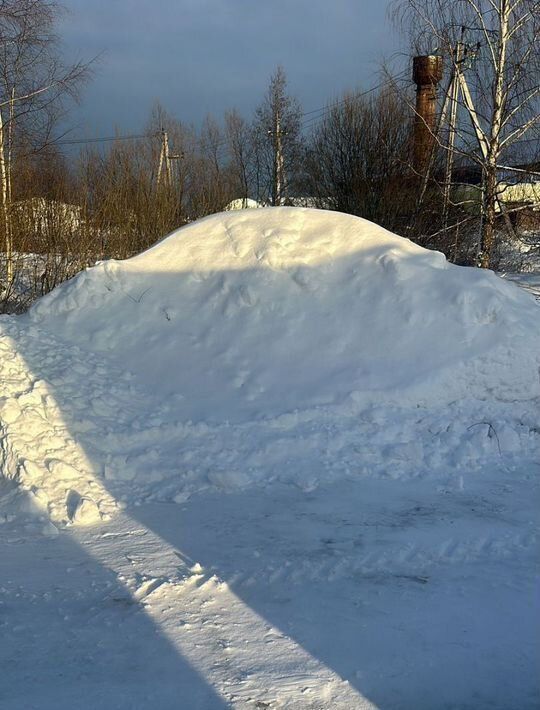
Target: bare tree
33,84
239,138
493,48
357,157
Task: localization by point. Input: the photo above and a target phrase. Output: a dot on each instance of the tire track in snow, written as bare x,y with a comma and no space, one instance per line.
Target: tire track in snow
409,561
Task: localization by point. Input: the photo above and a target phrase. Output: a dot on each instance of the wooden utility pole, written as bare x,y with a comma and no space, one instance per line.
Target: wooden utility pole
278,173
453,94
429,166
164,160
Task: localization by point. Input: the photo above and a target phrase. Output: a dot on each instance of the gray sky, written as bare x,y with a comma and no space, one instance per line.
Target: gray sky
205,56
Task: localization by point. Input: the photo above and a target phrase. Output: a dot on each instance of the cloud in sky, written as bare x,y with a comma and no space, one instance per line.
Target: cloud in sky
205,56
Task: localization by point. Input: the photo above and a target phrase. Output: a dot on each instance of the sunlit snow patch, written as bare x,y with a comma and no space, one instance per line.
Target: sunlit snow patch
38,450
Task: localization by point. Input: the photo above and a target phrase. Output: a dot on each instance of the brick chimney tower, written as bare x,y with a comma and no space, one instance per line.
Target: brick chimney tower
427,73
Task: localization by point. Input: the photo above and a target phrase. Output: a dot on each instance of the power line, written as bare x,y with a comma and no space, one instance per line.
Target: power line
353,97
105,139
534,139
321,112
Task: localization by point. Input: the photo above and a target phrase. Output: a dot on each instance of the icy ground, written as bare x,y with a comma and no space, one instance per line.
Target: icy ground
530,282
353,552
417,594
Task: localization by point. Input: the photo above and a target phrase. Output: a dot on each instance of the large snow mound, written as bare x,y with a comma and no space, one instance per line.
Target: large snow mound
275,345
258,313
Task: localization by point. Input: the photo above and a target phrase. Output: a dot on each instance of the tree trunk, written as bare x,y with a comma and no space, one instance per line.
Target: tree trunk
4,206
487,237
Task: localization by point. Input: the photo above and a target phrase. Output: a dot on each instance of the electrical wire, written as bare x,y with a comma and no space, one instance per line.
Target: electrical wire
310,122
323,110
105,139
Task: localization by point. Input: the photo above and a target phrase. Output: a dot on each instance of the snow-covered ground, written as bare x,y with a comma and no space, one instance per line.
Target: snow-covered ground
530,282
282,459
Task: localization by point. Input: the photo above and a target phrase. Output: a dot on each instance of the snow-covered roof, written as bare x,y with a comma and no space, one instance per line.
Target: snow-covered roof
242,203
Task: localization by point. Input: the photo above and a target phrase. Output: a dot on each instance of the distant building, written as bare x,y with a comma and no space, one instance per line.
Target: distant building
519,193
40,212
242,203
39,223
321,203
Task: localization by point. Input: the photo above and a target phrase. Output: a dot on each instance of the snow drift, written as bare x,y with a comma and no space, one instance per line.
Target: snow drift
275,345
255,313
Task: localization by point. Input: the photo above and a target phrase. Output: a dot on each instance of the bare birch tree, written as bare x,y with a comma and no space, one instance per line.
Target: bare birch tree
33,84
493,47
